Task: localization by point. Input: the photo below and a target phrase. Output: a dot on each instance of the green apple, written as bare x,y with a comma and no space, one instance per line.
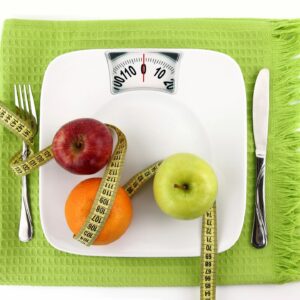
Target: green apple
185,186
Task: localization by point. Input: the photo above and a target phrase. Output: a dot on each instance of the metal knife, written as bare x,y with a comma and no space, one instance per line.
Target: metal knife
260,131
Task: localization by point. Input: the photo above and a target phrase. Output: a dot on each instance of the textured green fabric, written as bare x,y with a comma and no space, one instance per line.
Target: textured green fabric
27,47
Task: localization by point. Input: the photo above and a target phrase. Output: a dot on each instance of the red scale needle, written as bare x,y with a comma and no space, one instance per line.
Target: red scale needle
143,65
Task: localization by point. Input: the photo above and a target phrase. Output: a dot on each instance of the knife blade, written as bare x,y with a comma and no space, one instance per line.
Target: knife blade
261,111
260,130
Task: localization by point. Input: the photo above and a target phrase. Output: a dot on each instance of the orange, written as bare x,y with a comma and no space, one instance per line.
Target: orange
79,204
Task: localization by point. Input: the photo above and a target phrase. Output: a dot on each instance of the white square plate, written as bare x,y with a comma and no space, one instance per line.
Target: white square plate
206,116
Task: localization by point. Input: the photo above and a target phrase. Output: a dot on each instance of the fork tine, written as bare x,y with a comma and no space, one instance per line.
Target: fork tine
32,106
21,97
26,99
16,96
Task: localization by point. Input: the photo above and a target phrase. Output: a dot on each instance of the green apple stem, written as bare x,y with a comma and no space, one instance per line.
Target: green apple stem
181,186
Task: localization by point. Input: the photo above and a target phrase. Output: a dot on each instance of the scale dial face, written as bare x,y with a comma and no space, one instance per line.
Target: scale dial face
135,70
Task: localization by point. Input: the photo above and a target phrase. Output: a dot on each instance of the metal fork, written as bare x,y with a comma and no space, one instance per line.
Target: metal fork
27,111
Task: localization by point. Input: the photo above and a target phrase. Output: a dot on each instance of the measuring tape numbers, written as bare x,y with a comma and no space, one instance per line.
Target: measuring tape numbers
106,193
23,167
16,124
139,179
208,255
26,132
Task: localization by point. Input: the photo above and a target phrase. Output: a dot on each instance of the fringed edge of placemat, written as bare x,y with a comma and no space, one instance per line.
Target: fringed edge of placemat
286,151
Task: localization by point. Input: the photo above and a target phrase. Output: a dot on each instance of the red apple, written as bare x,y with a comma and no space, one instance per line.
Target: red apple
83,146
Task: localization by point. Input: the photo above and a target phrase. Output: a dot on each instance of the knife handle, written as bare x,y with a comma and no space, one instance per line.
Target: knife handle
259,233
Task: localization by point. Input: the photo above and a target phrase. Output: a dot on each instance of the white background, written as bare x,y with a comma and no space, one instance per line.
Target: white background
138,9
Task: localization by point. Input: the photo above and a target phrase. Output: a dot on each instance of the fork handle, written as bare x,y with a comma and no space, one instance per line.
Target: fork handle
25,226
259,233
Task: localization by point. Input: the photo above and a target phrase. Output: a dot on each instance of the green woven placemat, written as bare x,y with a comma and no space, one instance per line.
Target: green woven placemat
27,47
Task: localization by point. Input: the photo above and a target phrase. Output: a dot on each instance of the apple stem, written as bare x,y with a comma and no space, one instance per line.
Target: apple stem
181,186
78,144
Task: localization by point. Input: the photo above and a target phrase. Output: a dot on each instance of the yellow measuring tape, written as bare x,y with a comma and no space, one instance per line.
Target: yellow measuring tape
25,131
106,193
107,190
208,255
138,180
16,125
